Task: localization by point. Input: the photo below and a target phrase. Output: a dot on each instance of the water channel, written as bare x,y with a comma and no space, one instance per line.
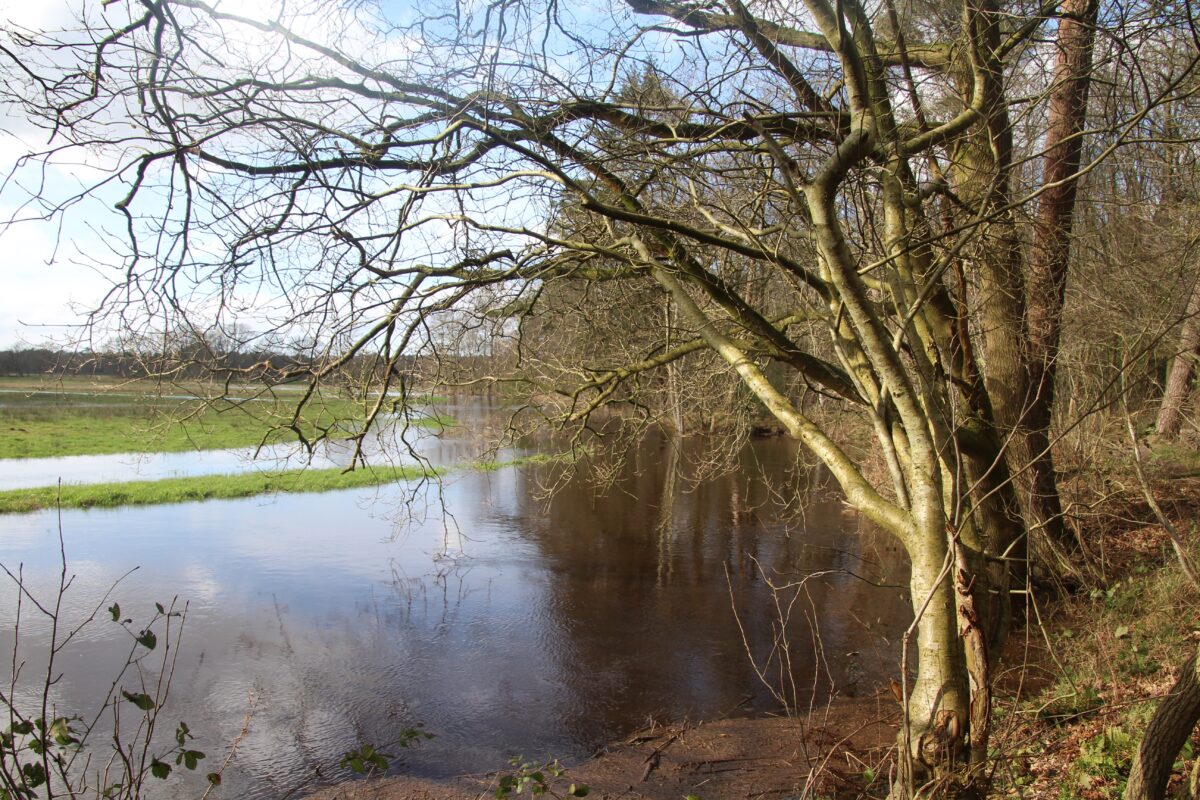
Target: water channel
504,622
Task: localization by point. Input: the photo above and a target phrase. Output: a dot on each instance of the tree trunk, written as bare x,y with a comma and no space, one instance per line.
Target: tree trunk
1050,256
938,717
982,171
1169,728
1170,414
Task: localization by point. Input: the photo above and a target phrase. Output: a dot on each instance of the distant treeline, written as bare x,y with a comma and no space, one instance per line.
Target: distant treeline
44,361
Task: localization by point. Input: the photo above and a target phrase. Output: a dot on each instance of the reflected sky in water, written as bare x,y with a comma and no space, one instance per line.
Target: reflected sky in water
504,623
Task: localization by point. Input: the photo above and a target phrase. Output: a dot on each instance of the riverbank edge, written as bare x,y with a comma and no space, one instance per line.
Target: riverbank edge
1074,689
167,491
769,756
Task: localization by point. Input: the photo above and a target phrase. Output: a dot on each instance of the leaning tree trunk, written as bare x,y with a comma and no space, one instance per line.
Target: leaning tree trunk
1169,728
1170,413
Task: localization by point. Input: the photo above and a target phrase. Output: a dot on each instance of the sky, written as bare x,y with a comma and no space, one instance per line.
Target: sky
52,273
44,287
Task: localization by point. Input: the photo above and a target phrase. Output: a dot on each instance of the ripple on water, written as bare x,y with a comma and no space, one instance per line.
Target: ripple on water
511,627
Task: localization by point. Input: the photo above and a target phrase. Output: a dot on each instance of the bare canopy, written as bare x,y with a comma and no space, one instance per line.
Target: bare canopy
814,197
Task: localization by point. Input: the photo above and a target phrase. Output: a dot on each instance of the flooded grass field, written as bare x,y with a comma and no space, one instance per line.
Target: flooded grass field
501,620
42,419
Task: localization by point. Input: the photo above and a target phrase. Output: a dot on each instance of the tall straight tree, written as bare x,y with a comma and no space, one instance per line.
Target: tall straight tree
1179,377
1051,252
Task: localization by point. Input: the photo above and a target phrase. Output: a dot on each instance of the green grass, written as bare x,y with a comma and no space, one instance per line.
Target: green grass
1175,458
227,487
492,465
59,423
205,487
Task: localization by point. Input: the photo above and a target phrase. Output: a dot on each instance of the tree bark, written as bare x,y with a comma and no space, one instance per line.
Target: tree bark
1170,413
982,172
1050,256
1169,728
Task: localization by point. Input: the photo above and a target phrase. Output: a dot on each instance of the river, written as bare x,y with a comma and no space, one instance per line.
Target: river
503,622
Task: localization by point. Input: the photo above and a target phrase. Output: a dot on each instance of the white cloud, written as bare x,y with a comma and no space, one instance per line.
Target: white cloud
36,15
42,288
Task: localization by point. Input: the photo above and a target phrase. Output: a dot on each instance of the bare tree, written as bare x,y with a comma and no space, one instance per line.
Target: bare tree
796,201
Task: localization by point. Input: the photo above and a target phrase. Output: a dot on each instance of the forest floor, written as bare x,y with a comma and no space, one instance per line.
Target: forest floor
1076,685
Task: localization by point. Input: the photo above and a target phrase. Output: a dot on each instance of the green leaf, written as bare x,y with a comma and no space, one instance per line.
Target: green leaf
214,778
578,790
1121,632
60,729
34,772
191,758
24,728
143,701
182,733
147,640
364,757
115,610
160,608
160,769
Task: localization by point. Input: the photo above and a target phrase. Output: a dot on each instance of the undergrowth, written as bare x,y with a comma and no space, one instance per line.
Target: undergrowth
1088,681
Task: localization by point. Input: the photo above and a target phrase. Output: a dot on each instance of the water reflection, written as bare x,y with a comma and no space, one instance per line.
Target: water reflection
506,623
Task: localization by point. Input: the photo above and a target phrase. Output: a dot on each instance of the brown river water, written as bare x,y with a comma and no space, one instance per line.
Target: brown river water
503,622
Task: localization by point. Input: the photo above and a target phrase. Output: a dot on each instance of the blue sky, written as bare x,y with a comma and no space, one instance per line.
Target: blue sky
46,284
56,271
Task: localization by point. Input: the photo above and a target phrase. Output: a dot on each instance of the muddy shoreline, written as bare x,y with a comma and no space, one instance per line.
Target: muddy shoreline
834,749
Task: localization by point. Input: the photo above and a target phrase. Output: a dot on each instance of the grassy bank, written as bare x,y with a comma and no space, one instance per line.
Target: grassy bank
1078,690
112,418
227,487
205,487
